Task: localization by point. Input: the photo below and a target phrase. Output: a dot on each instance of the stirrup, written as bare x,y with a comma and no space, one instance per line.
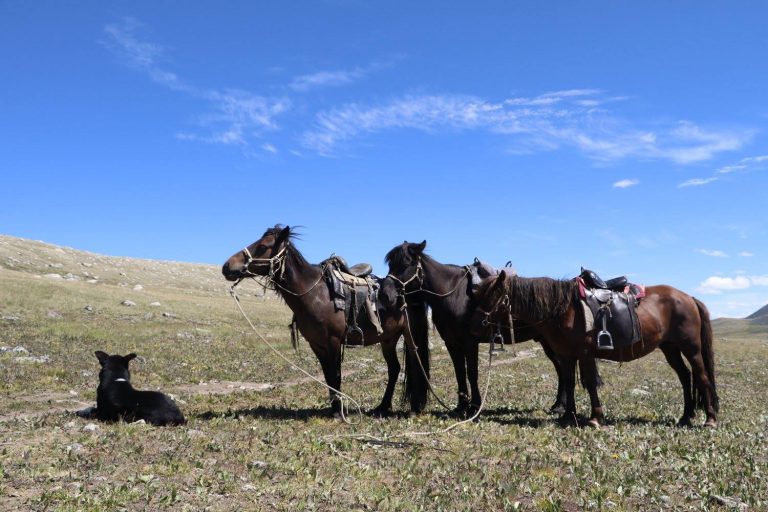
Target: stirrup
604,340
358,339
497,348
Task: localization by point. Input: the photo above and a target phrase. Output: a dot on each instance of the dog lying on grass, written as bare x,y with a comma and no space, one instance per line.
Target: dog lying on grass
116,399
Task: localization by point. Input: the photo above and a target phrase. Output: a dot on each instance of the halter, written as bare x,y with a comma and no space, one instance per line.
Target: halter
503,301
276,263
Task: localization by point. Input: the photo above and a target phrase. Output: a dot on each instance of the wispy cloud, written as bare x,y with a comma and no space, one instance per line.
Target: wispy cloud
746,254
714,254
697,182
745,164
626,183
335,78
269,148
235,115
716,285
571,118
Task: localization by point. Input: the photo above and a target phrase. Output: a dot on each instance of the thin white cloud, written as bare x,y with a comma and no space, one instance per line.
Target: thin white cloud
571,118
335,78
716,285
697,182
269,148
236,115
714,254
626,183
746,254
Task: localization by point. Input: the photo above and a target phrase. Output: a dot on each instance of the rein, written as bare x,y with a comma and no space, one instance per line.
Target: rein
276,270
418,275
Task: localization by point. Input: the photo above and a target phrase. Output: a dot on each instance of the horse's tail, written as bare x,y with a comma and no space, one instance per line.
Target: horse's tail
417,358
708,355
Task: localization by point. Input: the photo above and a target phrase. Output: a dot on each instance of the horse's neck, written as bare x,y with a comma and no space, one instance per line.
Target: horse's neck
297,281
443,279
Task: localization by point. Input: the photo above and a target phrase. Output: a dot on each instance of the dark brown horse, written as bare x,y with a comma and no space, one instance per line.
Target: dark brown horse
671,320
446,289
305,290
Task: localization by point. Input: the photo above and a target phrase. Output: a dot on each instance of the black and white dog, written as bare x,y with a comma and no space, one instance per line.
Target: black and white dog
116,399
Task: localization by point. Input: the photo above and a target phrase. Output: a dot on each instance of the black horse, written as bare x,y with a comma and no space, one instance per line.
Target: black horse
305,289
447,290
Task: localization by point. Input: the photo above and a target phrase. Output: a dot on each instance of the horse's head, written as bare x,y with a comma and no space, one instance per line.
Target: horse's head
259,258
114,367
491,306
405,263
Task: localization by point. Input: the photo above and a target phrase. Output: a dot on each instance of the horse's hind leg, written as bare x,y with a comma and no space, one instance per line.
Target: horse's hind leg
693,353
675,360
389,351
588,366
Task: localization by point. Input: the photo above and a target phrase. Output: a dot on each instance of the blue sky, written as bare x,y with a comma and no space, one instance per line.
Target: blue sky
628,138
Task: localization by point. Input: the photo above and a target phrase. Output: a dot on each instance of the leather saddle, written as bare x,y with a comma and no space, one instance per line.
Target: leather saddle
592,280
357,270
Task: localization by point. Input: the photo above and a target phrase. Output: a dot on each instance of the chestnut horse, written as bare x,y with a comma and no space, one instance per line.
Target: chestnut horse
305,290
446,289
670,319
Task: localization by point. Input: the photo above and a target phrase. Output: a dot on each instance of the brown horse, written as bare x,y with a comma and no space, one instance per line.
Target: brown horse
671,320
305,290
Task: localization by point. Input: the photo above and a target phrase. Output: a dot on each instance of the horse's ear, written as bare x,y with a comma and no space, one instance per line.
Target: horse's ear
420,247
500,280
101,356
284,234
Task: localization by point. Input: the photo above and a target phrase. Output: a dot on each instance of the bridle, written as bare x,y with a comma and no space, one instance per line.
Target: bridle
276,270
418,275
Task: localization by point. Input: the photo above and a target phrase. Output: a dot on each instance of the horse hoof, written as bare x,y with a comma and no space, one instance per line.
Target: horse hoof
594,423
380,412
558,409
684,422
568,420
710,423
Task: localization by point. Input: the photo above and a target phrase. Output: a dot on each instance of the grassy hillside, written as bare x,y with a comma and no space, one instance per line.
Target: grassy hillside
258,437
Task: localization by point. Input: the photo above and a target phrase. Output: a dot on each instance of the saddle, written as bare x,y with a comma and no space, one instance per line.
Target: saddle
610,306
353,290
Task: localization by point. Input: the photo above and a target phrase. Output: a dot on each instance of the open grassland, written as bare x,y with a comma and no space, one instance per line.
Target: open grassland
258,437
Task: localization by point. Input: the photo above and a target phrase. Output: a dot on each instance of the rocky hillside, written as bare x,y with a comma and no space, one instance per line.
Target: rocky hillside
66,264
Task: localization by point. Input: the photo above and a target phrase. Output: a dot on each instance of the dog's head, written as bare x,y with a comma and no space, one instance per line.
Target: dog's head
114,368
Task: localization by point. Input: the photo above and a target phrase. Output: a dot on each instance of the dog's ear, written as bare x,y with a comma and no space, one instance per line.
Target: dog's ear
130,357
101,356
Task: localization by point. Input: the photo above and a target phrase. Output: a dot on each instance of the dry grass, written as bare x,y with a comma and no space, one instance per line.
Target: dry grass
272,447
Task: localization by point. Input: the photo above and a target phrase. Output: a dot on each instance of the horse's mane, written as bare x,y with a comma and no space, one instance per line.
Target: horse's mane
292,235
542,298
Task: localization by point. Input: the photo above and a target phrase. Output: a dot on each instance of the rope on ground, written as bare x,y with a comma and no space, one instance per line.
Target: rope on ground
343,397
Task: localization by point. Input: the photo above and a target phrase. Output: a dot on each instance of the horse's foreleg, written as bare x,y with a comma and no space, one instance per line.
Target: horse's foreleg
472,349
559,406
456,352
330,361
568,372
675,360
588,367
389,351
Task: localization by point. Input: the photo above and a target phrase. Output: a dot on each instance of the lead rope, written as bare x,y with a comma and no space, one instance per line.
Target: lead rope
342,396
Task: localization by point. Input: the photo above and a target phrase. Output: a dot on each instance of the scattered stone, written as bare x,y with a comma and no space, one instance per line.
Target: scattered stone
69,276
70,424
185,335
86,373
138,288
640,392
259,464
93,281
86,264
249,487
55,265
74,447
72,392
169,315
88,308
91,427
139,422
195,433
155,304
10,318
127,302
53,276
20,350
33,359
727,501
53,314
122,273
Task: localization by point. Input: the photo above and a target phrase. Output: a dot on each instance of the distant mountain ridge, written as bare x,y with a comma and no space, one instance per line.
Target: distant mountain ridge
760,316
